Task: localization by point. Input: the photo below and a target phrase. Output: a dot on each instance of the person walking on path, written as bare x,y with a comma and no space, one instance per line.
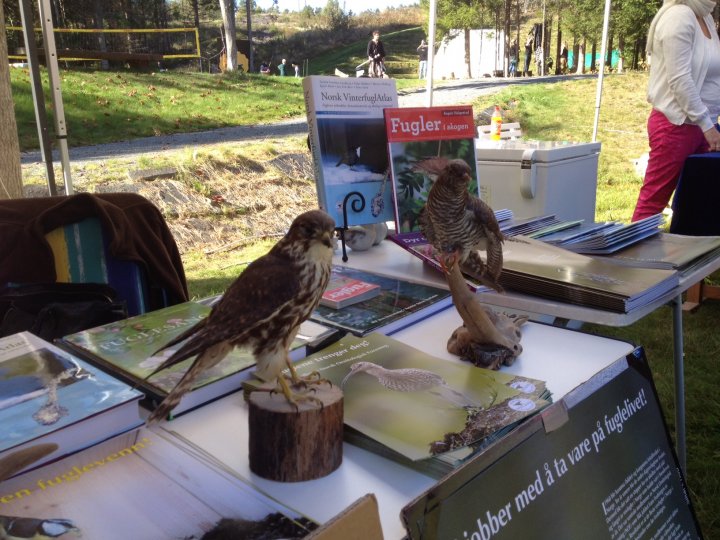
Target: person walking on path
422,51
528,54
376,55
684,91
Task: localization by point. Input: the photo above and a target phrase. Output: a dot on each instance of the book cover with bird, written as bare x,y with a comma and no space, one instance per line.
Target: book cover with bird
346,134
417,134
140,485
418,405
48,395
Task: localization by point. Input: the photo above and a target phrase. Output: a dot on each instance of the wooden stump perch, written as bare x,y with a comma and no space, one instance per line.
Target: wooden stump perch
288,445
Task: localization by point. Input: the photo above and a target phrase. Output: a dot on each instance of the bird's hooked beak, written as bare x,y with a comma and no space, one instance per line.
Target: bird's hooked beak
327,239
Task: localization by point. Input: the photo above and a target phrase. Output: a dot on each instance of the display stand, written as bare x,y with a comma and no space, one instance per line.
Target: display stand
358,205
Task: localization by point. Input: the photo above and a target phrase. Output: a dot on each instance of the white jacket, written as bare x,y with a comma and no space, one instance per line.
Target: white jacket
678,66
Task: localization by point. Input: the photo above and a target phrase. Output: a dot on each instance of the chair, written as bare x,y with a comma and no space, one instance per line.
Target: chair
119,239
695,212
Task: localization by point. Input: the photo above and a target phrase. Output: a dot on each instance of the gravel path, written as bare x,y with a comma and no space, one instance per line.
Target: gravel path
448,93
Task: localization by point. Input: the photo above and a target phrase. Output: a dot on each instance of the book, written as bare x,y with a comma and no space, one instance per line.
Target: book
416,133
127,350
540,269
343,291
48,395
617,236
145,484
427,413
666,250
346,133
399,303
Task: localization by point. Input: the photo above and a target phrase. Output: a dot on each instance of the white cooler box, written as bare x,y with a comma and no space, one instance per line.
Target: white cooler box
535,178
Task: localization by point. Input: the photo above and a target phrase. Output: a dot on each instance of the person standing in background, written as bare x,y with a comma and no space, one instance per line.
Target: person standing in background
512,67
684,91
281,67
563,58
376,55
422,51
528,54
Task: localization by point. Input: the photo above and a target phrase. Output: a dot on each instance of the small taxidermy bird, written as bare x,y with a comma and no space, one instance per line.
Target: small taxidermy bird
262,309
458,224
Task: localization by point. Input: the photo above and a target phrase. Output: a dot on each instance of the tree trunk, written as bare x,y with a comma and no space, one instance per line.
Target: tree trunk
580,58
558,45
506,38
251,54
621,52
468,70
10,172
608,59
227,8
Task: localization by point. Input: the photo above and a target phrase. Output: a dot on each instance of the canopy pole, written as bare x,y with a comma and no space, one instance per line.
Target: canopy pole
431,55
603,54
48,33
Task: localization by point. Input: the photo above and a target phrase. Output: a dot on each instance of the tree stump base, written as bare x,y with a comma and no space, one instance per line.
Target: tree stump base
290,444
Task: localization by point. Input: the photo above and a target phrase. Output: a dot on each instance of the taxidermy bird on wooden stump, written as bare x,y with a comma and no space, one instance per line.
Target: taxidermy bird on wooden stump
262,309
457,224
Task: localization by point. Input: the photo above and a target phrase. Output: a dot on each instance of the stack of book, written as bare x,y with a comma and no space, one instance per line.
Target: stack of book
540,269
608,238
52,398
669,251
129,350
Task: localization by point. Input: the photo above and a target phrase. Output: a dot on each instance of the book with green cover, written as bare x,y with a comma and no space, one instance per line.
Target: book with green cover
425,412
127,349
399,304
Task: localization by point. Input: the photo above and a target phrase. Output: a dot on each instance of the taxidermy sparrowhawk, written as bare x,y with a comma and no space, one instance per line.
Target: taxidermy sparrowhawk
458,224
262,309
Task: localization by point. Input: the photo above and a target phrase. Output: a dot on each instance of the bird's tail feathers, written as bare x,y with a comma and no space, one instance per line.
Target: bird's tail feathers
173,398
195,346
194,329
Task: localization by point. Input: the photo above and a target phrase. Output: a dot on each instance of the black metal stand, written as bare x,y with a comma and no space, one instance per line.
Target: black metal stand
358,205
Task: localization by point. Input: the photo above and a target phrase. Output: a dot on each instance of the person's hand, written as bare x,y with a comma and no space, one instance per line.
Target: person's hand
712,136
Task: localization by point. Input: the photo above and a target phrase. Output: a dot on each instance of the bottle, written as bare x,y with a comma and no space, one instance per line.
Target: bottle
496,124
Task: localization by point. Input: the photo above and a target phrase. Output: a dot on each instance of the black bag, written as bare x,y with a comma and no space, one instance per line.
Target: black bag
54,310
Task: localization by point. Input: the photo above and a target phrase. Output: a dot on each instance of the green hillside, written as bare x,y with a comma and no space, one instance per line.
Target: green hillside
400,46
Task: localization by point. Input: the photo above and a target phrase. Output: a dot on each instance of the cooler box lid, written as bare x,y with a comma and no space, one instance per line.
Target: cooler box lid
537,151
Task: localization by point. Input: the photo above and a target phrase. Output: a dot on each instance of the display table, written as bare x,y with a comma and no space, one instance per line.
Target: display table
563,358
390,259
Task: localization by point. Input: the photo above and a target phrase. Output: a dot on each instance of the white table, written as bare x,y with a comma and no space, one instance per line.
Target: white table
388,258
563,358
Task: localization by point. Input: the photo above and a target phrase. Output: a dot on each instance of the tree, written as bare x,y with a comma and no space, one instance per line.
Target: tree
10,171
227,8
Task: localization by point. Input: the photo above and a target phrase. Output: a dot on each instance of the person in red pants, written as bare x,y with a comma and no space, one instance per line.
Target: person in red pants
684,90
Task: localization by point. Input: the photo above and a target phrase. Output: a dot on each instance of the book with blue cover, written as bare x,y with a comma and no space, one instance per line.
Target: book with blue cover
48,395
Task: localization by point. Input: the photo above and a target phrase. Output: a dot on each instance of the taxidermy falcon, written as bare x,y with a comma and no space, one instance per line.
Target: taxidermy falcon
458,224
262,309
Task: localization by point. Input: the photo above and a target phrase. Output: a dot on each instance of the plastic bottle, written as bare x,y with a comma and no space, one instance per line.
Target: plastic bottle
496,124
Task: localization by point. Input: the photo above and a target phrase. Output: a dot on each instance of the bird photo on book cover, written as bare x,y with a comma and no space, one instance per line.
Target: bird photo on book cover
416,135
349,146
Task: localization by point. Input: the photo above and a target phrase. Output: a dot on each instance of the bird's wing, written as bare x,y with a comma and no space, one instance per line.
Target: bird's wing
426,225
264,288
485,215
